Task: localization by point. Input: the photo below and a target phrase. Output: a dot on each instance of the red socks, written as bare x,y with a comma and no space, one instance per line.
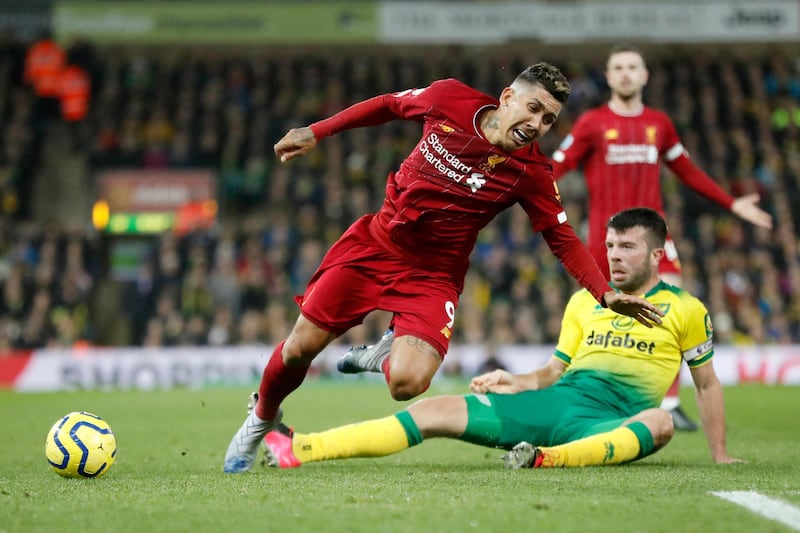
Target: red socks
278,382
385,369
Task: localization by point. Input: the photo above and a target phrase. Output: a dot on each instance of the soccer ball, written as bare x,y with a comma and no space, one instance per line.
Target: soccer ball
80,444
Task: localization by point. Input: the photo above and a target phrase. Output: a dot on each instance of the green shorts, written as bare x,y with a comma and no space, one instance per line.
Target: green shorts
577,406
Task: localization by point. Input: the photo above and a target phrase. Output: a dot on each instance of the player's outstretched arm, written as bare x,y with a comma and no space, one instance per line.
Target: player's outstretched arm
498,381
638,308
503,382
745,207
712,412
296,142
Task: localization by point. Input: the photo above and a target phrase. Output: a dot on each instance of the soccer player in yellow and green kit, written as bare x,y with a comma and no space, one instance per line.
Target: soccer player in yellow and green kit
596,401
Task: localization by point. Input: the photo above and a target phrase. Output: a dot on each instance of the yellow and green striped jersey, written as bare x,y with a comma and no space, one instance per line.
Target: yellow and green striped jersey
599,340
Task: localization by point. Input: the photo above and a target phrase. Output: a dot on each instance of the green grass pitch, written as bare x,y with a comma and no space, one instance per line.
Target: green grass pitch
168,473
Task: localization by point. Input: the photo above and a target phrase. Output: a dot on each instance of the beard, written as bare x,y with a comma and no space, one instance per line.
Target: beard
628,94
635,281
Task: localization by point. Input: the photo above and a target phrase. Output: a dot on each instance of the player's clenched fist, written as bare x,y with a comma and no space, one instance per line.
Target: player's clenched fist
296,142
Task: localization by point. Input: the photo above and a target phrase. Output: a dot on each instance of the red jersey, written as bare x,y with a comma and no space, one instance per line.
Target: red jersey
454,182
621,157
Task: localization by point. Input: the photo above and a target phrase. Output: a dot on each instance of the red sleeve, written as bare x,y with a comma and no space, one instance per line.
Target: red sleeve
676,158
699,181
376,110
573,149
569,249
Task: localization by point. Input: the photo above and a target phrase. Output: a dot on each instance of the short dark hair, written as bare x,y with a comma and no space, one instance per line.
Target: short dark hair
625,47
549,77
645,217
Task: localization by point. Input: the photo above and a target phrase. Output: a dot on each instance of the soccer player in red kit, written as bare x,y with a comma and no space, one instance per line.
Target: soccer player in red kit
620,146
477,157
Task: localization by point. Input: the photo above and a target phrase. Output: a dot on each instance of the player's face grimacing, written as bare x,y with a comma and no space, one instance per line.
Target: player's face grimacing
626,74
526,113
631,261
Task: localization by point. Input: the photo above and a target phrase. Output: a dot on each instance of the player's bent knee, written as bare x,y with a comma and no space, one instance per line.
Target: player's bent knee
406,389
659,423
403,393
662,427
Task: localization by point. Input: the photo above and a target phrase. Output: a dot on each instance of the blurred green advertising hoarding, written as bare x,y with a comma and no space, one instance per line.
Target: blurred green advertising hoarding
411,22
217,23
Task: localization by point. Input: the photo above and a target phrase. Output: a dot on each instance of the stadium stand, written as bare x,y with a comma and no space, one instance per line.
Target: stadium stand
221,109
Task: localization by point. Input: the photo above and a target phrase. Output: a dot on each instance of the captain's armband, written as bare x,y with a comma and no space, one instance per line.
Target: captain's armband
700,352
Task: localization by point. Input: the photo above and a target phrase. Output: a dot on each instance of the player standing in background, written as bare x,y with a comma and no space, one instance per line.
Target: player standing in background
620,146
594,403
477,157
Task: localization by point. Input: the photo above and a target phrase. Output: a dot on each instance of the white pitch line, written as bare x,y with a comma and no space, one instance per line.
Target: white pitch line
773,509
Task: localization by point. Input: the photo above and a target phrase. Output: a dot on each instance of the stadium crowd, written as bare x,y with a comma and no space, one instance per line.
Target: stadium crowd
739,118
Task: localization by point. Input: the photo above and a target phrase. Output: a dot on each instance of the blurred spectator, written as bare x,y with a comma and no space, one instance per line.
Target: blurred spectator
44,62
221,331
74,92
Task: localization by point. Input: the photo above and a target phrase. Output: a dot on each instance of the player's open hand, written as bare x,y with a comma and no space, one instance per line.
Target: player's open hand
726,460
746,208
497,381
638,308
296,142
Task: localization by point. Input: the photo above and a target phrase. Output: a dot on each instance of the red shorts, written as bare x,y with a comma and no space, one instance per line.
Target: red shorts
358,275
670,263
